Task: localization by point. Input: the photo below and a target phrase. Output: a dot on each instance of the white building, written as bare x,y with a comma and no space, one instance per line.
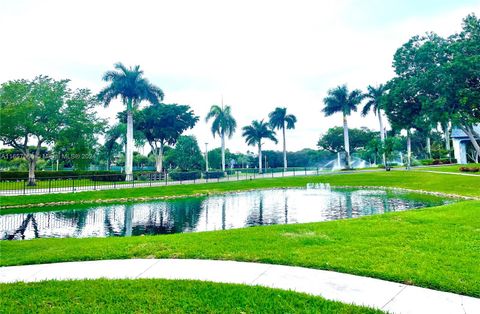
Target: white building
460,141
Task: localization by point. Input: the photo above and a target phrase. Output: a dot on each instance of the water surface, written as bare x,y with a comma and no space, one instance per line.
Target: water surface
220,212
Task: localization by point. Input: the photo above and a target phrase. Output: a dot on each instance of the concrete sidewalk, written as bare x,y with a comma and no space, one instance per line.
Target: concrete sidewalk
388,296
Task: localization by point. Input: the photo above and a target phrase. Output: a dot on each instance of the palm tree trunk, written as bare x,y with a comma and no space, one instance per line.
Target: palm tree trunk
346,142
129,147
259,158
382,134
284,149
159,158
409,149
429,148
222,137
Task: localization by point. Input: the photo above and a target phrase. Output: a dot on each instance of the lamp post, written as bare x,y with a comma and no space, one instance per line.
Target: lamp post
206,156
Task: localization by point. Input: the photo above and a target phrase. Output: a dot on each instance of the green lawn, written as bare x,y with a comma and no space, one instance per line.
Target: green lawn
461,185
437,247
449,168
160,296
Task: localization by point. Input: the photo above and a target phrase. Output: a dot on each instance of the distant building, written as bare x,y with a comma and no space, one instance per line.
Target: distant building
460,141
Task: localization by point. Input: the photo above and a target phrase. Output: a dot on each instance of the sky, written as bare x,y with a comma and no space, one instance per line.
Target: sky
256,55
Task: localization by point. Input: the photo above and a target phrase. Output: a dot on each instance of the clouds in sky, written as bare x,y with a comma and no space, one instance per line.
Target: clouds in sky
257,54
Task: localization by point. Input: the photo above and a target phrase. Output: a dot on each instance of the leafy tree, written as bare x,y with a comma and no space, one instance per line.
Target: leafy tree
31,110
187,154
76,141
255,133
375,103
130,85
341,100
163,124
279,119
223,124
333,139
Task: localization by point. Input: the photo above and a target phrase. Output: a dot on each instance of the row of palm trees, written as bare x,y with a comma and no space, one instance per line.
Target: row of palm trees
224,125
341,100
131,87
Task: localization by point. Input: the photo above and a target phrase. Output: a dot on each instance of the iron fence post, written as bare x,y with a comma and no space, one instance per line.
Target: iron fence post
73,184
24,187
49,185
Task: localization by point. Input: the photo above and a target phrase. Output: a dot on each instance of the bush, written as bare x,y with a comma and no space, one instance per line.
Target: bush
469,169
185,175
109,178
214,174
20,175
426,162
443,161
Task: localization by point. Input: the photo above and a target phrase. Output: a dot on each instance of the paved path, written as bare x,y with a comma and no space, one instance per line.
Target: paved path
388,296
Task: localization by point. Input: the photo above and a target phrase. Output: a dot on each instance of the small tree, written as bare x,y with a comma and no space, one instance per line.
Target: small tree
163,124
279,119
341,100
255,133
187,154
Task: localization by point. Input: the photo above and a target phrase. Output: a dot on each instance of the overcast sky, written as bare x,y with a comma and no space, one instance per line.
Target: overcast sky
257,54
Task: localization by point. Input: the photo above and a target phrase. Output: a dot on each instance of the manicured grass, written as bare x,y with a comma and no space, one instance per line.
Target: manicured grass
450,168
160,296
436,247
461,185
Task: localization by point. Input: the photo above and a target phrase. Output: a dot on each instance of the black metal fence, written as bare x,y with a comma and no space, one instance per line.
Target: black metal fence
46,185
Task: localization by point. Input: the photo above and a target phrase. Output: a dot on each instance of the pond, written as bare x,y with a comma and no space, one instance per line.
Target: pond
219,212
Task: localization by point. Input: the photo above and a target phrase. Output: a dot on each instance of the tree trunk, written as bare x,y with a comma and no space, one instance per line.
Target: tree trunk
284,149
446,131
382,135
222,138
259,158
429,148
471,135
159,158
346,142
32,161
129,147
409,149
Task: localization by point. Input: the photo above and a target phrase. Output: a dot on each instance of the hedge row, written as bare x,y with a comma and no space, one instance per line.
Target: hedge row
469,169
214,174
52,174
441,161
187,175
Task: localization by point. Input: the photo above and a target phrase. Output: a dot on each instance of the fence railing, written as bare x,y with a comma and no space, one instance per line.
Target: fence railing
46,185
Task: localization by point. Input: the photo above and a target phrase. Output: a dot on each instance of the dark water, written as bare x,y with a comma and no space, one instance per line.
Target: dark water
235,210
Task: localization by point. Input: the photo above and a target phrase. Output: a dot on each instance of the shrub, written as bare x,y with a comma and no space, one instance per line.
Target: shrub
185,175
19,175
214,174
469,169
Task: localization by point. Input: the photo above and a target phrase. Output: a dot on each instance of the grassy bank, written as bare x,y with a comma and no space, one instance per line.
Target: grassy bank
160,296
450,168
436,247
460,185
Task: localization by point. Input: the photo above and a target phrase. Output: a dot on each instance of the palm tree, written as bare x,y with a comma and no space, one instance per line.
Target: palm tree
279,119
130,85
375,103
223,124
339,99
254,134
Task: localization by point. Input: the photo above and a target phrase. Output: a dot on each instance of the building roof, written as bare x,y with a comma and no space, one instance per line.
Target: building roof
458,133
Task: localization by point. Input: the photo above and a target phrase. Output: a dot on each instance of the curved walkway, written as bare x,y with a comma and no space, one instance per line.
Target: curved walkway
388,296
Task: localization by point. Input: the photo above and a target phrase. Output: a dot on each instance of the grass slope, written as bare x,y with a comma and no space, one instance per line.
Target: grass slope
160,296
436,247
461,185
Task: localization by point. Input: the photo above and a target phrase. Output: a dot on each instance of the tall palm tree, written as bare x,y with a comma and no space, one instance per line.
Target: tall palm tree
254,133
223,124
375,97
279,119
130,85
339,99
